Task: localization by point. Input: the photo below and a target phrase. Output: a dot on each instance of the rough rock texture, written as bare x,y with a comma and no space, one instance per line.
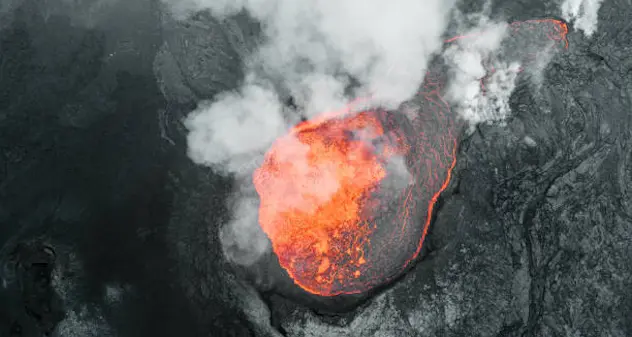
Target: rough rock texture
535,240
203,56
533,237
83,170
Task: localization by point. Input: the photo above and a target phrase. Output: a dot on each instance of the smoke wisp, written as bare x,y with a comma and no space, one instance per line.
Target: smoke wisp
478,94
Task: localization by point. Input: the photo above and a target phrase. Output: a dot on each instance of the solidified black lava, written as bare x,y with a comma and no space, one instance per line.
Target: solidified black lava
534,242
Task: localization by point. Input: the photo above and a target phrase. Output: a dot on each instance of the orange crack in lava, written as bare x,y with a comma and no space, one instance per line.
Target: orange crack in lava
555,30
322,189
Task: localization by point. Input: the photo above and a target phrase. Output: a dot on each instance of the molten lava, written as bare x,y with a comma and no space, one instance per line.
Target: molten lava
347,198
316,188
340,194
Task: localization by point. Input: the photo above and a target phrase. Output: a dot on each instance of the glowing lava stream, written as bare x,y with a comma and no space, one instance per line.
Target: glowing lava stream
342,195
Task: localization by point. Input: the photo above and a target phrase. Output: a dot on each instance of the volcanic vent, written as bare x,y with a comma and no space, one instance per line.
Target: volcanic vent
347,197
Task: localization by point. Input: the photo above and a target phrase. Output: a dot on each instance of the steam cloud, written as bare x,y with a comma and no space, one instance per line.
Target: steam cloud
583,13
466,58
313,51
322,54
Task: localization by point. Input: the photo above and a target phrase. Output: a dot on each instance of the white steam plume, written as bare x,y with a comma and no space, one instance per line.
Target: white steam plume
484,64
477,101
584,14
231,133
312,50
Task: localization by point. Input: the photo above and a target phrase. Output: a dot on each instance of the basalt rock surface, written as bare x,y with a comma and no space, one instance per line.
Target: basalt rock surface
108,229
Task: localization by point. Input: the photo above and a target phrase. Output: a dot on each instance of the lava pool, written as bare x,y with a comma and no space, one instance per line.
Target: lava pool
343,195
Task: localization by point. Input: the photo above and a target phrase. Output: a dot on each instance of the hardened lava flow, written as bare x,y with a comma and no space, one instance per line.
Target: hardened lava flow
346,198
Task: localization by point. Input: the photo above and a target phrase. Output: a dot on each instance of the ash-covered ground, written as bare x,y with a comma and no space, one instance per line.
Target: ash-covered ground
108,228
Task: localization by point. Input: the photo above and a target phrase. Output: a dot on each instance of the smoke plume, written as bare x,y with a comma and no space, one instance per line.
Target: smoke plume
583,13
477,101
322,54
485,61
231,133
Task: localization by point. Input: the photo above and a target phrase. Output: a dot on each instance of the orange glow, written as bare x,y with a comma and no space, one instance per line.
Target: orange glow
324,187
332,201
556,30
314,185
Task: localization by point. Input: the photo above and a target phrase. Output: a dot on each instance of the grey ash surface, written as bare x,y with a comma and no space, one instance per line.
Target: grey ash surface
533,237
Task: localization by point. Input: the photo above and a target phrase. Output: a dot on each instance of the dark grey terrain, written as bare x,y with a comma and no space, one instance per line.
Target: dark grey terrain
108,229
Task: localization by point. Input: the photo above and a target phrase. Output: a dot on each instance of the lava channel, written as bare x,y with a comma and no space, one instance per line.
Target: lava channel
346,198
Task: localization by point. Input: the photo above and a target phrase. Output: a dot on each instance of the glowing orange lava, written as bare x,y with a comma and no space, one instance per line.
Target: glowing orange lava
340,194
347,197
315,186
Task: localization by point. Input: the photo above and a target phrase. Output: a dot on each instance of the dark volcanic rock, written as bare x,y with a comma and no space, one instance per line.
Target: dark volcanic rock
83,167
535,240
33,264
533,237
202,56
